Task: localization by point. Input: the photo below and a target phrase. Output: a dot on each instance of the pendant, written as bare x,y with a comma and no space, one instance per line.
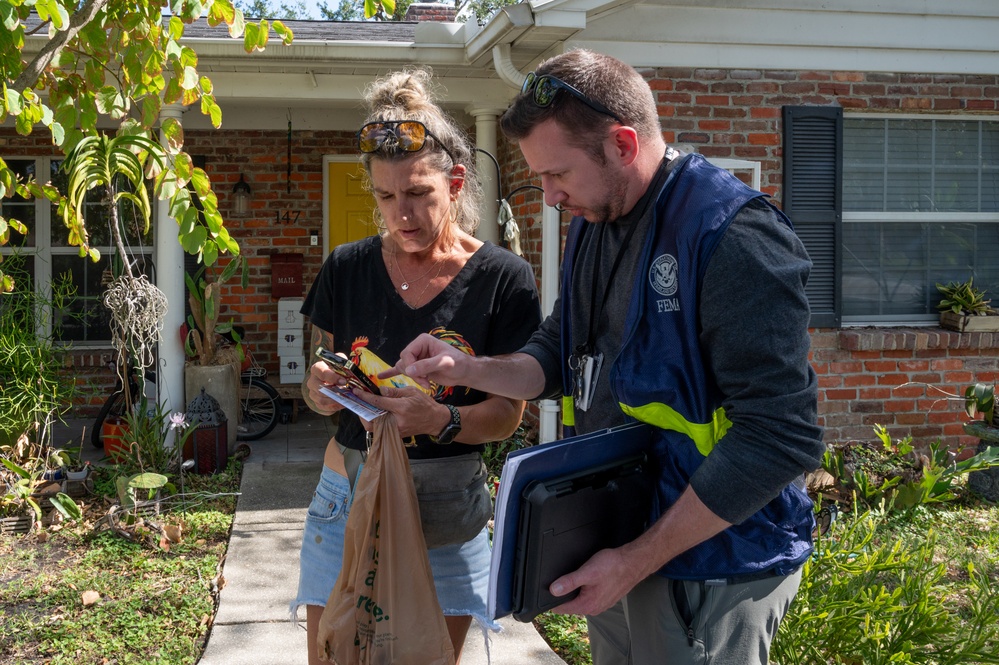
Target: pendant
404,286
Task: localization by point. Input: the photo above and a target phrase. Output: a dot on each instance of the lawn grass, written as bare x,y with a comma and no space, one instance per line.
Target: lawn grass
154,602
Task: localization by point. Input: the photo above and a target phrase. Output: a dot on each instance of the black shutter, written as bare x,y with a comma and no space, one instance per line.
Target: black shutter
813,199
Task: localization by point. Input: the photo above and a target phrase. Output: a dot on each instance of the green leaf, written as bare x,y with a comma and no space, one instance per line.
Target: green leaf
65,505
12,100
173,131
212,110
201,182
184,166
188,221
147,481
210,253
190,78
176,28
58,133
389,6
370,8
287,36
194,241
250,37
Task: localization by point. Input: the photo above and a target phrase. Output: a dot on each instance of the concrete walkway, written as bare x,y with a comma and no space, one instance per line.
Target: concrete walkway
261,567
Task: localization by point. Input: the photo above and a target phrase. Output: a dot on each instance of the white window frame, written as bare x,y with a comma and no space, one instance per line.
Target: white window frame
43,250
909,217
733,165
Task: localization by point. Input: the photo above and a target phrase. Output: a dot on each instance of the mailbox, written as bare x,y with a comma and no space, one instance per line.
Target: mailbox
286,275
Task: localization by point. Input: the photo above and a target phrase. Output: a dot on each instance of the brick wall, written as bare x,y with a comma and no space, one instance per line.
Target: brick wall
282,218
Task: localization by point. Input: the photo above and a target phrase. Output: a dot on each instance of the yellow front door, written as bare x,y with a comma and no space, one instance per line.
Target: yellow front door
351,206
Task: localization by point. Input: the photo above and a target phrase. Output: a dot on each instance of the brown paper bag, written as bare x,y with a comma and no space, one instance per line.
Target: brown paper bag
383,609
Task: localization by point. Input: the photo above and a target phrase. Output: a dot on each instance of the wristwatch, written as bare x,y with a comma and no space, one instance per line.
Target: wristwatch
450,430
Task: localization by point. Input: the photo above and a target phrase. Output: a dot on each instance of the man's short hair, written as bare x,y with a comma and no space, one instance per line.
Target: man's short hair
602,78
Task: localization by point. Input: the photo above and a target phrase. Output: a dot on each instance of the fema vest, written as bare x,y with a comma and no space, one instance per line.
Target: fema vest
660,377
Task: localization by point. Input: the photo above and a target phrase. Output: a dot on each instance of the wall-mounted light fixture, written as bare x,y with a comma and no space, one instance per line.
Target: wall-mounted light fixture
241,196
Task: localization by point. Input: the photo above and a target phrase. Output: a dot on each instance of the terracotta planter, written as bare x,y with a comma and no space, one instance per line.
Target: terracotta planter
113,430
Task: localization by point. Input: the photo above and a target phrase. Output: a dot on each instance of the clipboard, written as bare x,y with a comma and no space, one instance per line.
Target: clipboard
567,519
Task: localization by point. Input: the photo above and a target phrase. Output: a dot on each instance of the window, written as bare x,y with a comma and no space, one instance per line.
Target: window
920,206
889,206
45,255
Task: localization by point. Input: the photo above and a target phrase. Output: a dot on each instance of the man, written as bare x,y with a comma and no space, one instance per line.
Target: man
683,291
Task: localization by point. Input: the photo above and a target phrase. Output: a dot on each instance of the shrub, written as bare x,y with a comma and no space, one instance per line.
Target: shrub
870,599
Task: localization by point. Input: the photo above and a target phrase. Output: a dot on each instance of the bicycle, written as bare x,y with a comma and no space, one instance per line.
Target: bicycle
259,403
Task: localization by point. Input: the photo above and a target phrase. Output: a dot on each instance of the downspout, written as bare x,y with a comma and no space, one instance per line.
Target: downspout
548,419
505,68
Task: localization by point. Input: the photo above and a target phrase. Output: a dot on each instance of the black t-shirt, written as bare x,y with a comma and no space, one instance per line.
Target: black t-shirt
491,307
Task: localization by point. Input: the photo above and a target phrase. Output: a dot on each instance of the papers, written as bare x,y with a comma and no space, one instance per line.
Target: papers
540,463
348,399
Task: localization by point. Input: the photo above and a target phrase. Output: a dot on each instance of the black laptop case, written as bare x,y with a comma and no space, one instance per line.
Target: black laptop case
566,520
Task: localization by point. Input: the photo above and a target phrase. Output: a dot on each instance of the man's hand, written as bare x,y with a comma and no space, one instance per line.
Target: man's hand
428,359
602,581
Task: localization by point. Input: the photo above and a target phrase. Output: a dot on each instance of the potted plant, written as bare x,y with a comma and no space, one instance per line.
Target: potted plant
213,365
965,308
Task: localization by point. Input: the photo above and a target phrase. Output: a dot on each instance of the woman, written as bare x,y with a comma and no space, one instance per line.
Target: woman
424,272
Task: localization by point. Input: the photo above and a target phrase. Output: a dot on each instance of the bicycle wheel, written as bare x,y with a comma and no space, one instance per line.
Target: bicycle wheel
258,409
115,406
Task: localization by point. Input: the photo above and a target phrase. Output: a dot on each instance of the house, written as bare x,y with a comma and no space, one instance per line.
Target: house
873,123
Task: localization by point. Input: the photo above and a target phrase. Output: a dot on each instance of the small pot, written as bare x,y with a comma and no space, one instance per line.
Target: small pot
78,476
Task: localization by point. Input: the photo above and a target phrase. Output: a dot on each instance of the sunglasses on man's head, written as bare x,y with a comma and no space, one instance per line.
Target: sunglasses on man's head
402,135
546,86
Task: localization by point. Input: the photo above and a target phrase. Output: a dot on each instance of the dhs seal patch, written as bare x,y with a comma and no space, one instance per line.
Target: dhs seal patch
663,275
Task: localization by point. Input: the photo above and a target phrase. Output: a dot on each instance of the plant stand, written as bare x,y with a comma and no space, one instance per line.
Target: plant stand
16,525
984,483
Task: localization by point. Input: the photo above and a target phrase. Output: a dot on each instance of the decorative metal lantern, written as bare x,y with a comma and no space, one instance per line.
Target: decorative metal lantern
208,445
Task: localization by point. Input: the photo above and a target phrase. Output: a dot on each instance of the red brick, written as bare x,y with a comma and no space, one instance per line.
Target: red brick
847,76
714,125
764,139
713,100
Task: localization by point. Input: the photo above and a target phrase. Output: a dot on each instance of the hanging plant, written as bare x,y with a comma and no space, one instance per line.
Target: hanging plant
117,167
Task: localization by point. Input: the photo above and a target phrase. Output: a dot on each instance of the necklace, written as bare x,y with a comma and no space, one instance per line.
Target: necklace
417,302
406,282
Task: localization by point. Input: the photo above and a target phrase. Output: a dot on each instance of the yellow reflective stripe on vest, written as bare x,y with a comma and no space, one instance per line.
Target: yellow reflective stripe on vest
704,435
568,411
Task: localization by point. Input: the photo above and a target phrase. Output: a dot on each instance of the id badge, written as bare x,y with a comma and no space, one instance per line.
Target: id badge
587,372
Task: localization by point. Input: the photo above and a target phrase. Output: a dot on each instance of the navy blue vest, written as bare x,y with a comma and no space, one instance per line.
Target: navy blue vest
660,376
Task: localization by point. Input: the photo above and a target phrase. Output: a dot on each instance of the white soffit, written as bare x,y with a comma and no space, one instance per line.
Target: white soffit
939,36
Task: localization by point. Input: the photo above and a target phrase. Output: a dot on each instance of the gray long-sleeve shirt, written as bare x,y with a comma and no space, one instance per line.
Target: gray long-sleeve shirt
754,336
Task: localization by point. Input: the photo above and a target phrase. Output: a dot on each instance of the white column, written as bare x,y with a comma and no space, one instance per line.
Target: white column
169,263
485,138
551,240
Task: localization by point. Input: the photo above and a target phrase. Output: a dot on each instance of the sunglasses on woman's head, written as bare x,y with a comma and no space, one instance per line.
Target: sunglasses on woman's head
546,86
402,135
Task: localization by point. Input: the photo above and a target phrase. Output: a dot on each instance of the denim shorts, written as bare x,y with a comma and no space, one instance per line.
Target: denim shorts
461,572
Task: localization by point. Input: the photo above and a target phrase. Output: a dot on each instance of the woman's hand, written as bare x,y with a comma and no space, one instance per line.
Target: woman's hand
415,411
320,375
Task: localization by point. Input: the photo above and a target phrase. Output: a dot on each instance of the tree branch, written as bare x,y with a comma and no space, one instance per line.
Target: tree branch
80,18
